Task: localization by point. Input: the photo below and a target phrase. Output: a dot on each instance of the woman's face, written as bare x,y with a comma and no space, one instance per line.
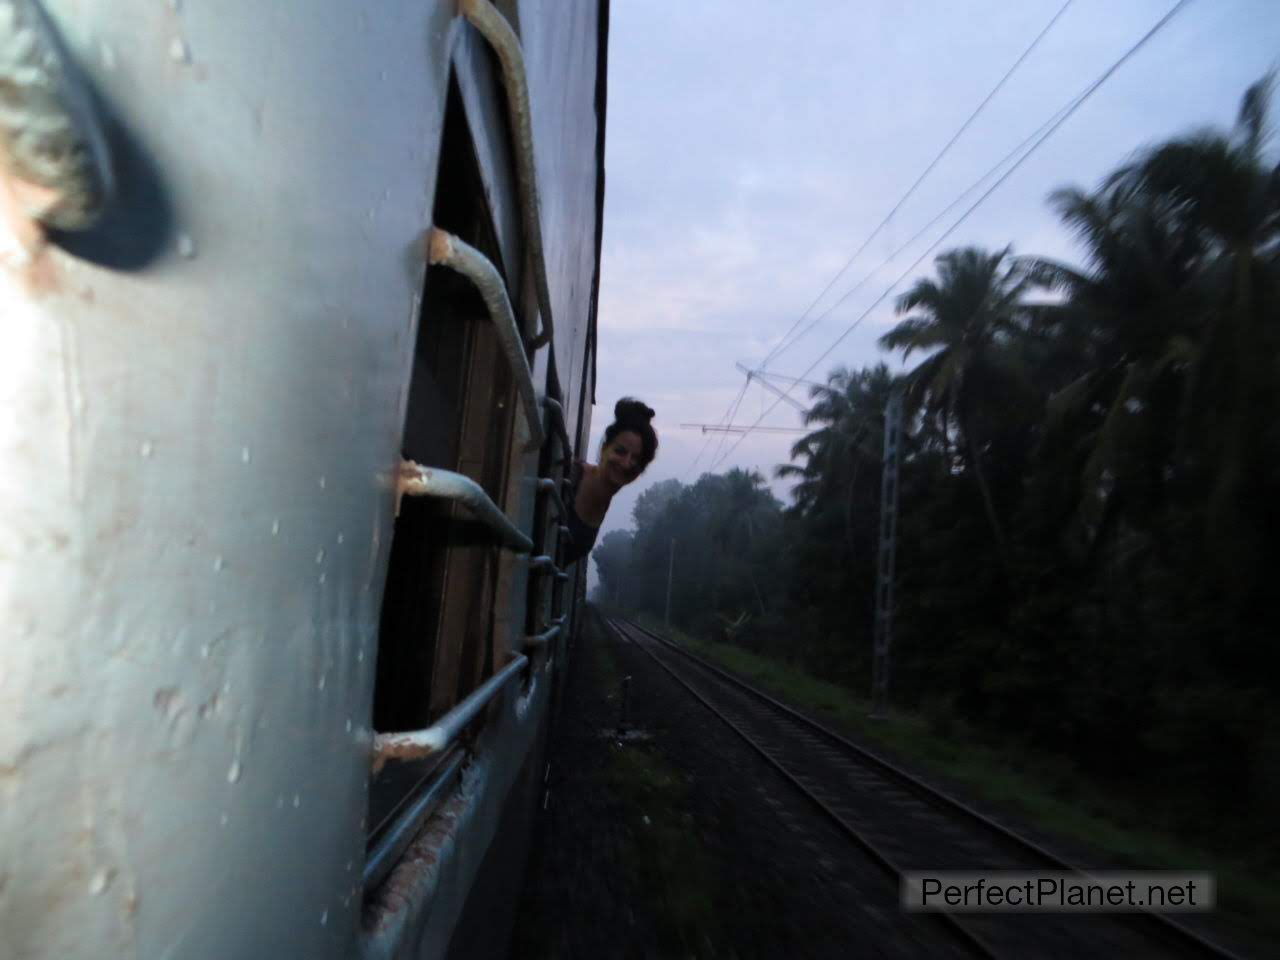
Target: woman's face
621,458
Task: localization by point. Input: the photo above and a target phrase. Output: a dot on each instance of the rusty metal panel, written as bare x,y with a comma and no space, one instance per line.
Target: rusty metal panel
202,407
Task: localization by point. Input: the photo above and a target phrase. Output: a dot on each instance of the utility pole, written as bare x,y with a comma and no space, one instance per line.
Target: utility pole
883,628
671,567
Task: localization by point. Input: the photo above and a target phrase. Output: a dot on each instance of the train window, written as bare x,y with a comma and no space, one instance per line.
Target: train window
437,609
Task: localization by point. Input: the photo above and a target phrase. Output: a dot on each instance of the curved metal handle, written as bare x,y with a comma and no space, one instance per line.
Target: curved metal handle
53,152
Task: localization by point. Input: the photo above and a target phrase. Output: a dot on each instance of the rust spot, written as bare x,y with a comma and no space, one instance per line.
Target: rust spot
395,895
88,295
439,246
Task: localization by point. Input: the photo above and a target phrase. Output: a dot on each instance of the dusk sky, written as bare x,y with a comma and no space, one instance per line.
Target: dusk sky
752,147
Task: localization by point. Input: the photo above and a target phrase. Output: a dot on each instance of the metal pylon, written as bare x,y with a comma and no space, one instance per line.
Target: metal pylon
883,632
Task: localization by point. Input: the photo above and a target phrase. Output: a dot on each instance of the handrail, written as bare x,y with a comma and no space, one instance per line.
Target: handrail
400,834
417,480
493,26
547,485
556,408
415,744
448,251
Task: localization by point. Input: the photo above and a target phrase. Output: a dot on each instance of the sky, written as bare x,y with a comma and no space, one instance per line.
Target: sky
752,146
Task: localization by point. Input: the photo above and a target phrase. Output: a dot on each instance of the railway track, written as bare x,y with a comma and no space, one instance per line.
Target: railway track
904,824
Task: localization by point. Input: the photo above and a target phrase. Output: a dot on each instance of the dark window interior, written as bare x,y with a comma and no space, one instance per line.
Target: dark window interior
436,626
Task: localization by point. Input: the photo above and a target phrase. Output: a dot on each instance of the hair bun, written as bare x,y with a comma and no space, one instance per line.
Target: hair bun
631,410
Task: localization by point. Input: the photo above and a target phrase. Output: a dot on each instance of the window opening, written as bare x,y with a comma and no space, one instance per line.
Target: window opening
437,616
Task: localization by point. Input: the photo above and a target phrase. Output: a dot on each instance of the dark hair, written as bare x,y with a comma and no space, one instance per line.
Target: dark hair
632,416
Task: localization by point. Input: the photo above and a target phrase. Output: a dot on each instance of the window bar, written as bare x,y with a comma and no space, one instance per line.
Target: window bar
416,744
548,486
382,858
493,26
447,250
545,564
417,480
547,636
556,409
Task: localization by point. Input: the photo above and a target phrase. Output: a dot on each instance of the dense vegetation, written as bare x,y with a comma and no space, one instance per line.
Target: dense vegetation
1088,517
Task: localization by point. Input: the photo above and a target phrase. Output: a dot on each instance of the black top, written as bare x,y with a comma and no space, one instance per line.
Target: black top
582,536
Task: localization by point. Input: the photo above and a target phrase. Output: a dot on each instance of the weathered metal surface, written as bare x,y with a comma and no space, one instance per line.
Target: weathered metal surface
413,913
199,418
203,398
391,846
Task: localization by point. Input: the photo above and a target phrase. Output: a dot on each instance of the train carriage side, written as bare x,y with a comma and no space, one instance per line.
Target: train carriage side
273,488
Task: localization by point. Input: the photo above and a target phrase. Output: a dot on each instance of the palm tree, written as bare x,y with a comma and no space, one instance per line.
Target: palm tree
967,317
742,511
1180,285
849,414
1124,331
1223,188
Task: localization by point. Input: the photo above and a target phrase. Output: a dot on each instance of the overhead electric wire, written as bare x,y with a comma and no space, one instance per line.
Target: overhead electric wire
1072,106
779,346
730,411
784,342
927,227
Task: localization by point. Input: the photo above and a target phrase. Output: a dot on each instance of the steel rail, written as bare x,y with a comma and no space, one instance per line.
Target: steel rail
446,250
493,26
417,480
415,744
957,929
937,797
